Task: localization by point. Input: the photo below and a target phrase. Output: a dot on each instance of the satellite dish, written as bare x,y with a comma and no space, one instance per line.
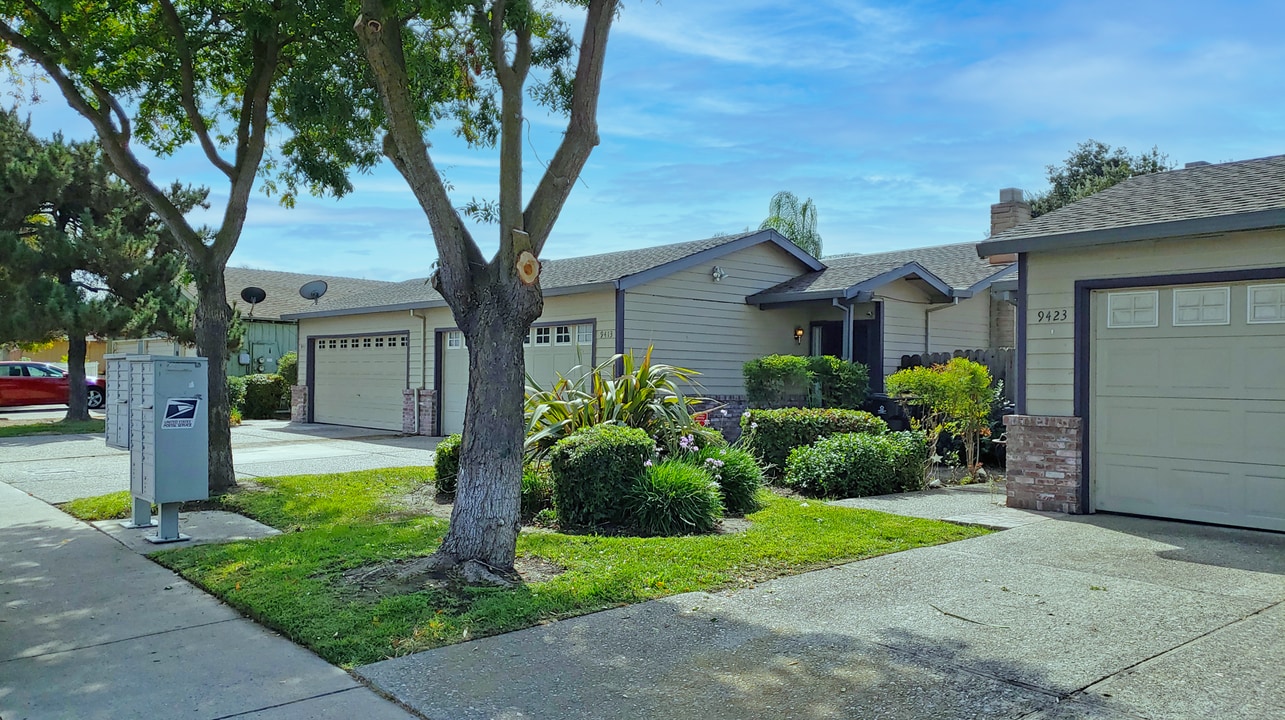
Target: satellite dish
313,290
254,296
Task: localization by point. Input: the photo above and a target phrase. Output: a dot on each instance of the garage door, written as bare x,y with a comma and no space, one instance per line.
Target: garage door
359,380
1188,403
549,350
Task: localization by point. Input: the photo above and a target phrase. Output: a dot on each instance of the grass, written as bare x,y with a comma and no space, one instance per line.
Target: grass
61,427
112,506
296,583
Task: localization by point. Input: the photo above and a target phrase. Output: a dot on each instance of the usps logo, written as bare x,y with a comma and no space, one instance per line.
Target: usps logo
180,413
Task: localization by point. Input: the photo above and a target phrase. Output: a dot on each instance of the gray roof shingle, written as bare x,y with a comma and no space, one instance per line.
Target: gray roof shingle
957,265
282,290
557,274
1190,194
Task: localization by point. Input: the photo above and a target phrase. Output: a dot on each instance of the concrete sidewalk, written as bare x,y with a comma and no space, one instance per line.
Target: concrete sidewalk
89,629
58,468
1101,617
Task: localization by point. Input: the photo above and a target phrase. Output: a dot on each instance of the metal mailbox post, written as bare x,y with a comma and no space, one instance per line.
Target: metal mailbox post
167,434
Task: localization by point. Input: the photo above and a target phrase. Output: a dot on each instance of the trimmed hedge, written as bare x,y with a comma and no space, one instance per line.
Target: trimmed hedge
843,384
264,395
592,471
773,380
236,391
673,498
446,461
857,465
738,474
772,434
288,368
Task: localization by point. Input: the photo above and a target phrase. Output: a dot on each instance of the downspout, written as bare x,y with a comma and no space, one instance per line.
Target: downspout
847,328
423,362
928,323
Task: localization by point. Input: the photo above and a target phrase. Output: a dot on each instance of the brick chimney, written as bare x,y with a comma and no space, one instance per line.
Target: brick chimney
1011,211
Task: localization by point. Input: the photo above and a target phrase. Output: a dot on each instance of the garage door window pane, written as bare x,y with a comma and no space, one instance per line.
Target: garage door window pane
584,334
1133,309
1202,306
564,335
1267,303
454,340
543,335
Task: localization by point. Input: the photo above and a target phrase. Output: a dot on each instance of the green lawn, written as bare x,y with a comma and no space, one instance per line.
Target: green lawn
52,428
296,582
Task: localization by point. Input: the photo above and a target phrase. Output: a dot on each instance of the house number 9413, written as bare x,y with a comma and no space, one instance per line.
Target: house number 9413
1052,316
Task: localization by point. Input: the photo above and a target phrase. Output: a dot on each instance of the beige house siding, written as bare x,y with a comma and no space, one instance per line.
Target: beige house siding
697,323
1051,280
965,326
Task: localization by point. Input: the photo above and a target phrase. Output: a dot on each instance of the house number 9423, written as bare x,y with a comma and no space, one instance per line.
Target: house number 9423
1052,316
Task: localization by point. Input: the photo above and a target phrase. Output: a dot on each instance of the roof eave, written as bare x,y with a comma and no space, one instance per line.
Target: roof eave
704,256
980,285
1257,220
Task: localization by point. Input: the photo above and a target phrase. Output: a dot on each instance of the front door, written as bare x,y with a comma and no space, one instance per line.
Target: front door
827,338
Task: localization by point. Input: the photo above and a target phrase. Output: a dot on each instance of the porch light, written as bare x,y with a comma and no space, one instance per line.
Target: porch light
718,273
798,336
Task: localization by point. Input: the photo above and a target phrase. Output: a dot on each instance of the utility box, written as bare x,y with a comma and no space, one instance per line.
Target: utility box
168,437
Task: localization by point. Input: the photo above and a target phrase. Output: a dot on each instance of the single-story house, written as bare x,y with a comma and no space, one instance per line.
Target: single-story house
393,358
267,335
1151,332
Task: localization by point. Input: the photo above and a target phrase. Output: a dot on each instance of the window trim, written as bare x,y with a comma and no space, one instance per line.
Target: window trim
1226,292
454,339
1249,304
1155,322
557,335
547,335
588,328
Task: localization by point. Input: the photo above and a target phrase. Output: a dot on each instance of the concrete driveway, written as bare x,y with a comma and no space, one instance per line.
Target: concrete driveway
58,468
1101,617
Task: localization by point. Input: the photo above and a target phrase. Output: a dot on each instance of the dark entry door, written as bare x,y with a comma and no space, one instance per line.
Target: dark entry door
827,338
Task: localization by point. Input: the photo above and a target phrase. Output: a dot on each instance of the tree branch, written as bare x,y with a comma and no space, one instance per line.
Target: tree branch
499,58
115,142
379,33
187,73
582,127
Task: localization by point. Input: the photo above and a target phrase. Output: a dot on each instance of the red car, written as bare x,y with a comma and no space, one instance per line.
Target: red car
34,383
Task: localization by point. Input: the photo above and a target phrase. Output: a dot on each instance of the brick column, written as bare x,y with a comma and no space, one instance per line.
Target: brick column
1043,459
299,403
427,412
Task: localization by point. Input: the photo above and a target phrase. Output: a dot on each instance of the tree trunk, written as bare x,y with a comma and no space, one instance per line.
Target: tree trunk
213,317
485,520
77,402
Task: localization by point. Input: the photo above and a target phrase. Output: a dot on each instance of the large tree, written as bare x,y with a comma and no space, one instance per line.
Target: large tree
82,253
1090,168
796,220
494,45
217,74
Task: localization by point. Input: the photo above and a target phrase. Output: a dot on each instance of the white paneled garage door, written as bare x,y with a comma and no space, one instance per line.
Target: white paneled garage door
549,350
1188,403
359,380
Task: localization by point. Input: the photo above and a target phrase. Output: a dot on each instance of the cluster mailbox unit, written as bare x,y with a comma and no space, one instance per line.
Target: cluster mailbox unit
156,408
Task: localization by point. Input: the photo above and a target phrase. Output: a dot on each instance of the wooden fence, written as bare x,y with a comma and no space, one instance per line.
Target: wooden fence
999,362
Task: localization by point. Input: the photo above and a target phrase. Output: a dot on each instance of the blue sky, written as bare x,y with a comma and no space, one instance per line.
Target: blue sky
901,120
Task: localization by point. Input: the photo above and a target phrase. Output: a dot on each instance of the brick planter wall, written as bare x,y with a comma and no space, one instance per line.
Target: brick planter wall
427,412
1044,462
299,403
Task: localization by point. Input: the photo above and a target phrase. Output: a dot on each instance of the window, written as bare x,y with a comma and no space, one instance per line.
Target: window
1202,306
365,342
542,335
1133,309
379,342
584,334
1266,304
405,340
454,340
343,344
334,344
563,335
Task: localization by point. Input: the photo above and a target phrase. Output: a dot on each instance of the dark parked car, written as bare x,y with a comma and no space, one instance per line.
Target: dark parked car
34,383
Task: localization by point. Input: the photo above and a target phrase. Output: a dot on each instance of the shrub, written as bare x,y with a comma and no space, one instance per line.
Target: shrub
772,380
593,469
644,395
857,465
537,491
236,391
955,398
738,474
673,498
264,395
234,417
288,368
843,384
772,434
446,461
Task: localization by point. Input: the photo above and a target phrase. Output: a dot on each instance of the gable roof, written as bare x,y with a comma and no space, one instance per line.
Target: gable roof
565,276
282,290
1243,195
950,270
